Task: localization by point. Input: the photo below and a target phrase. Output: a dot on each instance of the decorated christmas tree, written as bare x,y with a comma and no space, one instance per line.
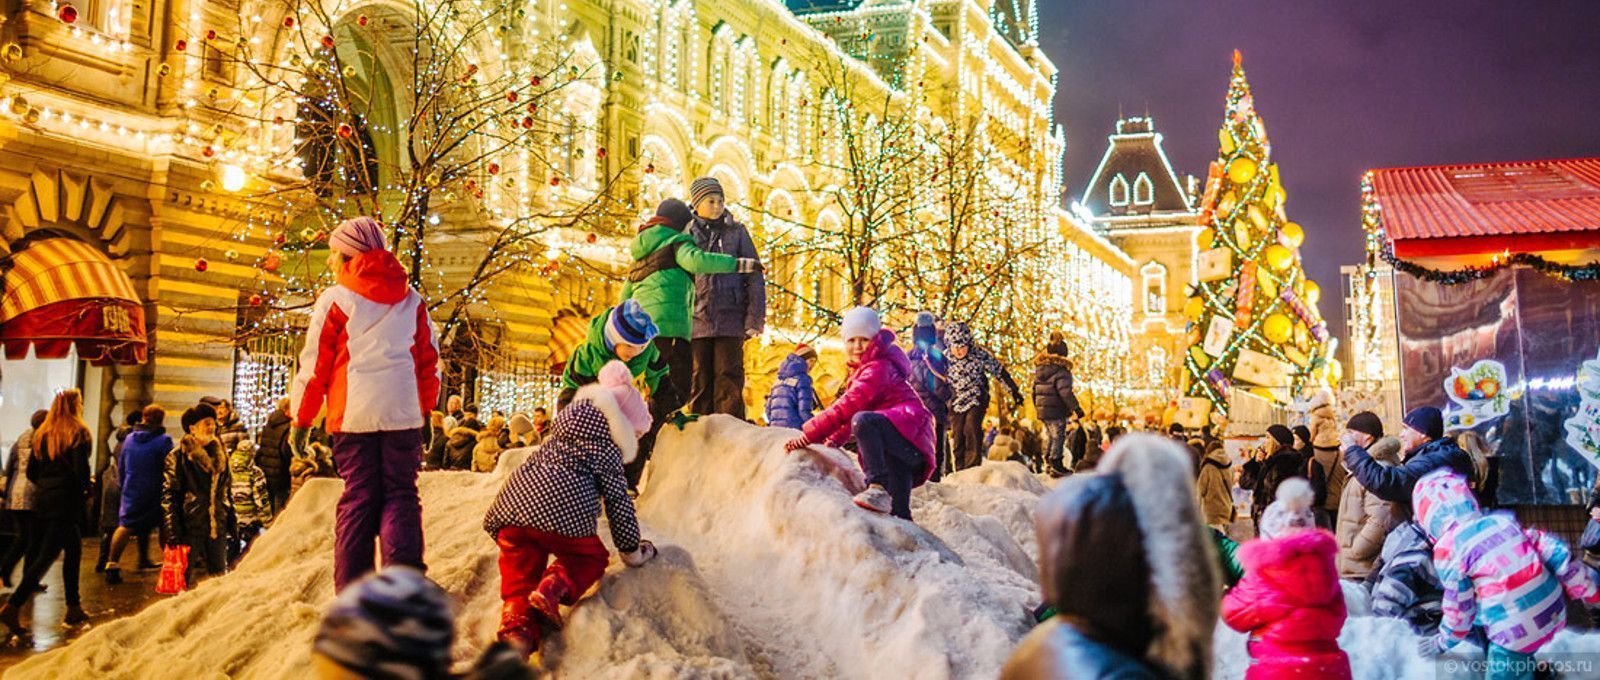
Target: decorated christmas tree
1253,319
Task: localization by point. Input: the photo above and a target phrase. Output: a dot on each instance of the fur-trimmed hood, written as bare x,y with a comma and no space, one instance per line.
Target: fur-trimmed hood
208,457
1386,451
1048,359
1184,584
602,401
1299,566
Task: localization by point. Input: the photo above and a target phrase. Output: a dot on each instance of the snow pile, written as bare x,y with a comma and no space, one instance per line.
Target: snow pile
766,570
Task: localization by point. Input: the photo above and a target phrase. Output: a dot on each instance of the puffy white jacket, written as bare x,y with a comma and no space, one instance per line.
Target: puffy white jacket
370,352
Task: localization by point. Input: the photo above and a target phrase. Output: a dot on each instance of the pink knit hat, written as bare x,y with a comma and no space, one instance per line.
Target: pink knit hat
616,377
356,236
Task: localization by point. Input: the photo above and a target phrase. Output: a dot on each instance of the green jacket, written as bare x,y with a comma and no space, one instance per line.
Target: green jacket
590,356
1232,571
662,280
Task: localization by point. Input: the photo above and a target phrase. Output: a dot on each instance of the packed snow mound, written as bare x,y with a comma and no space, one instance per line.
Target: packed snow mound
767,570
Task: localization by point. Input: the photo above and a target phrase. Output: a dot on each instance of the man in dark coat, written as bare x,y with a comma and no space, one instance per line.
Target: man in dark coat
728,308
1262,475
1426,450
272,453
1054,401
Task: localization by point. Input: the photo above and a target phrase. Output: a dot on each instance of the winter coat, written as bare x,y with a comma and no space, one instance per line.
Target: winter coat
969,376
1214,489
486,455
370,352
252,502
1365,519
19,491
792,399
110,495
1053,398
144,457
878,384
273,454
1496,574
1328,486
304,468
1228,558
60,484
648,368
930,379
434,456
196,494
230,433
462,444
1394,484
1407,585
1291,604
1117,559
664,261
558,489
1262,477
727,305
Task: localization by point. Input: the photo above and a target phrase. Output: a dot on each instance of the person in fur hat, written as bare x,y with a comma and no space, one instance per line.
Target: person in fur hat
1139,608
549,507
1496,574
892,429
1364,520
665,262
196,508
1289,601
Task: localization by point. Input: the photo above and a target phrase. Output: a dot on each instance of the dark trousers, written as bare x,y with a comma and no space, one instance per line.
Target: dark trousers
379,502
967,428
52,538
23,520
718,376
660,411
941,447
889,460
680,367
208,557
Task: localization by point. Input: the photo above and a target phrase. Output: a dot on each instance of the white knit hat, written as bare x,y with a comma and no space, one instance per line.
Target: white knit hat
1291,511
860,322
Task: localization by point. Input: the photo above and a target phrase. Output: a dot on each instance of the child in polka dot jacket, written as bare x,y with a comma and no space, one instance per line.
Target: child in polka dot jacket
550,506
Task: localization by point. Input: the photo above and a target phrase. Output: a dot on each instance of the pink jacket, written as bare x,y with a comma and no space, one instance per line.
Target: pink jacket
1290,603
370,352
878,384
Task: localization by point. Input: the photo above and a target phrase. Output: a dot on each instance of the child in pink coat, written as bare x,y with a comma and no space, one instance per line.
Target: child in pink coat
1289,599
892,429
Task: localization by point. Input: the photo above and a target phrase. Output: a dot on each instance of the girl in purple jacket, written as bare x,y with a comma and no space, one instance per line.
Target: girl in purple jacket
893,430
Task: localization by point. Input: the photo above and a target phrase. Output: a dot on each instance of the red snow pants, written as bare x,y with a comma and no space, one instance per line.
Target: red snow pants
525,566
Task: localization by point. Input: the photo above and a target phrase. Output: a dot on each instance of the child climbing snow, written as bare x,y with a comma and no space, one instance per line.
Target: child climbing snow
1289,600
893,430
970,368
549,507
1495,573
625,333
792,398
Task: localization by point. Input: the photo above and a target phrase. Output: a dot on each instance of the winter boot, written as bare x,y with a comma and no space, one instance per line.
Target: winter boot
114,575
1055,469
76,616
10,617
517,629
546,599
874,499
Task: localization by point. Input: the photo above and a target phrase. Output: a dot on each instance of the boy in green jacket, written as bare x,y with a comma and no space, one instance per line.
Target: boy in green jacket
665,260
624,333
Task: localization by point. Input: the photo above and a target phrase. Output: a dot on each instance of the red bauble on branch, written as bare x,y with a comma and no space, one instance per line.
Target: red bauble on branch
345,130
67,14
288,22
201,265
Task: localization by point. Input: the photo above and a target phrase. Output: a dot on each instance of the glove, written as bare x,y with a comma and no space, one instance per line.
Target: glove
644,553
1431,646
1347,441
749,265
297,441
795,444
680,419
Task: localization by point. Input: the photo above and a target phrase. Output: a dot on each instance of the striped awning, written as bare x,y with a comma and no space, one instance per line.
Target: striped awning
61,293
571,329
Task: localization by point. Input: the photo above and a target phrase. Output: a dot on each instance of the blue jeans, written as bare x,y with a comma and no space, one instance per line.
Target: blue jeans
889,460
1505,664
1055,441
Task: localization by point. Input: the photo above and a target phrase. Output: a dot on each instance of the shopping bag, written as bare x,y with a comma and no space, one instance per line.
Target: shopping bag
174,564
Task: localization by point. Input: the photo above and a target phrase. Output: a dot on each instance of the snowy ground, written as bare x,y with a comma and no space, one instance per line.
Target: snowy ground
766,571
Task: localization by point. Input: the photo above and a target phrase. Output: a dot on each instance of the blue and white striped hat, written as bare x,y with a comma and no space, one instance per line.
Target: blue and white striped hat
629,324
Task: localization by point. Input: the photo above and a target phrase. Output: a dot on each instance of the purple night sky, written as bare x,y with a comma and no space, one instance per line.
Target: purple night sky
1342,87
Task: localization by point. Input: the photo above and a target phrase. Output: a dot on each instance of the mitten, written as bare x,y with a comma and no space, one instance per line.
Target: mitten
644,553
749,265
1431,646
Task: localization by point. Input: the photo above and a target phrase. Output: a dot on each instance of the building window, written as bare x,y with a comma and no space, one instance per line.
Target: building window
1143,191
1119,191
1154,277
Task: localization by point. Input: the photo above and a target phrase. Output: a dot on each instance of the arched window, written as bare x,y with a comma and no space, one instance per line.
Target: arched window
1119,191
1154,277
1143,191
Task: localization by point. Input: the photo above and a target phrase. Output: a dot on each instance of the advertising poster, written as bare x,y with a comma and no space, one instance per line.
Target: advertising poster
1510,357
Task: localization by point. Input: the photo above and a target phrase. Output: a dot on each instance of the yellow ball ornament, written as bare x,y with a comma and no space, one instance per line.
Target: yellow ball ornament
1241,170
1293,235
1277,328
1278,257
1313,293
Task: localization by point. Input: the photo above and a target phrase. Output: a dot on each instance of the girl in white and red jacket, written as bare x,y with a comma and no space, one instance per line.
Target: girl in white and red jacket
372,359
549,507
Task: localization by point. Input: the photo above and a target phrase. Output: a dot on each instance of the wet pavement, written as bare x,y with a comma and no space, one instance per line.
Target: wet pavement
103,603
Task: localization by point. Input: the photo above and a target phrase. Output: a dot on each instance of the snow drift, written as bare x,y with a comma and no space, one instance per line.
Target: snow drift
767,570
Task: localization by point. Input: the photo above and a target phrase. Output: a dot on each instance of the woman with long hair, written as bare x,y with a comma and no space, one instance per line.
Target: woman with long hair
59,471
1485,478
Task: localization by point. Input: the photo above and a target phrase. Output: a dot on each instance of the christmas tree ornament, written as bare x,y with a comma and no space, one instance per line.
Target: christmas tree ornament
1226,141
361,20
1291,235
288,22
1278,257
180,45
1241,170
201,265
345,130
1312,292
1277,328
1205,238
67,14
